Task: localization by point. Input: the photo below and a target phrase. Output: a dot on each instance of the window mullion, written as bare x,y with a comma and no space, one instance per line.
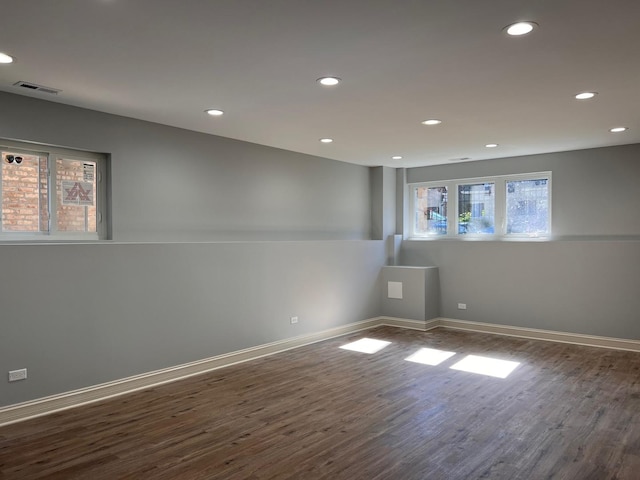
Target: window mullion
412,211
500,206
452,215
53,194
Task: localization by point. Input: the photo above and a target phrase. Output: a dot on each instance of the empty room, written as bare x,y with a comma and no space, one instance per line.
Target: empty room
291,239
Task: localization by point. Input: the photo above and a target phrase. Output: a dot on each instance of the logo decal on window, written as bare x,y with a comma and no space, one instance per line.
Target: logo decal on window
77,193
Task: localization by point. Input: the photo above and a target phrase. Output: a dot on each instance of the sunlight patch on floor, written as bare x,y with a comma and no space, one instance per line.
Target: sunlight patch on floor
430,356
366,345
486,366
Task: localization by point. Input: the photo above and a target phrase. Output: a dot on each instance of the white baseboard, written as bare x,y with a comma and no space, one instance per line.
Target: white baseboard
55,403
406,323
538,334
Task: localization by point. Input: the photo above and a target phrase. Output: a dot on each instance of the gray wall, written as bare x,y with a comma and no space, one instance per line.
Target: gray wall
402,198
383,202
568,286
389,195
595,192
172,184
80,314
586,281
420,292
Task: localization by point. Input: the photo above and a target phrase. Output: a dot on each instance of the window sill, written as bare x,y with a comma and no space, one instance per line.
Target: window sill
481,238
38,239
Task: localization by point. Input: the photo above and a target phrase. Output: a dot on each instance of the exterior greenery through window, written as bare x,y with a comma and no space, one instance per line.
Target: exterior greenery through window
506,206
51,193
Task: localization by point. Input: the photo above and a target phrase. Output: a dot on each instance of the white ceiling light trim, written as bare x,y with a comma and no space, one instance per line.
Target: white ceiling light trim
326,140
432,121
520,28
214,112
329,81
586,95
5,58
396,157
618,129
491,145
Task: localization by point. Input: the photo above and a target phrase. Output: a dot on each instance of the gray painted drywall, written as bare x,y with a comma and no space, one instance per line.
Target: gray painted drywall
401,199
376,187
595,191
389,205
99,312
585,282
420,292
170,184
393,245
383,210
79,315
588,287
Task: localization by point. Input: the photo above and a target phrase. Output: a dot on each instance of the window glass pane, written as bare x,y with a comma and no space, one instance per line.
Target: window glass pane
431,210
528,206
76,195
476,208
24,193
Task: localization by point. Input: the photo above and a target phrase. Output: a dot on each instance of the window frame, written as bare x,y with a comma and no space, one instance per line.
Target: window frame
52,153
500,208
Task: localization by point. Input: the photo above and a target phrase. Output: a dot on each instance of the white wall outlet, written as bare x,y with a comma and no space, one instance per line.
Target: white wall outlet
15,375
294,320
462,306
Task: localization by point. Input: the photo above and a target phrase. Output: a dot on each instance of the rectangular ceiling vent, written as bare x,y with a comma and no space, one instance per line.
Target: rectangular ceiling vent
36,88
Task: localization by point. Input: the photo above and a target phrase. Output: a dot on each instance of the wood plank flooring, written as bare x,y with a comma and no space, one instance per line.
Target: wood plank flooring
321,412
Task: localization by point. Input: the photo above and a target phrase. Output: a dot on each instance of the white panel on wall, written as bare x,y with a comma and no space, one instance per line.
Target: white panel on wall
394,289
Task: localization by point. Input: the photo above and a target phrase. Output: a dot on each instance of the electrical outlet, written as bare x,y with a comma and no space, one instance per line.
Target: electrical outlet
15,375
462,306
294,320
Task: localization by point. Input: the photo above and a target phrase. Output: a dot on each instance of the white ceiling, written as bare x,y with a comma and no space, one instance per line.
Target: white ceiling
401,62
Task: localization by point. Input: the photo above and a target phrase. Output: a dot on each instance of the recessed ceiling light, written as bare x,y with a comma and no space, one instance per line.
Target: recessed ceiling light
520,28
491,145
326,140
214,112
618,129
586,95
328,81
4,58
433,121
396,157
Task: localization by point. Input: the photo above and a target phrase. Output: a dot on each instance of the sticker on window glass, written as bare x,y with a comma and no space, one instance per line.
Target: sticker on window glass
77,193
88,171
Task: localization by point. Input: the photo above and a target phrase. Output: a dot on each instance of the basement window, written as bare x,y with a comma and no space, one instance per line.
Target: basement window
504,207
431,209
476,208
51,193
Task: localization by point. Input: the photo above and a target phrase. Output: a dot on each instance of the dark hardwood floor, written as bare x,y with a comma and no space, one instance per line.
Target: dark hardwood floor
321,412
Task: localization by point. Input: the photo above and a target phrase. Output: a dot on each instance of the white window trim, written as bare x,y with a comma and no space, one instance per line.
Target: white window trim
52,153
500,218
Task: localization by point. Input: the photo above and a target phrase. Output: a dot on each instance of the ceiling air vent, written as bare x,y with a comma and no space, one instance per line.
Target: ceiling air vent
36,88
